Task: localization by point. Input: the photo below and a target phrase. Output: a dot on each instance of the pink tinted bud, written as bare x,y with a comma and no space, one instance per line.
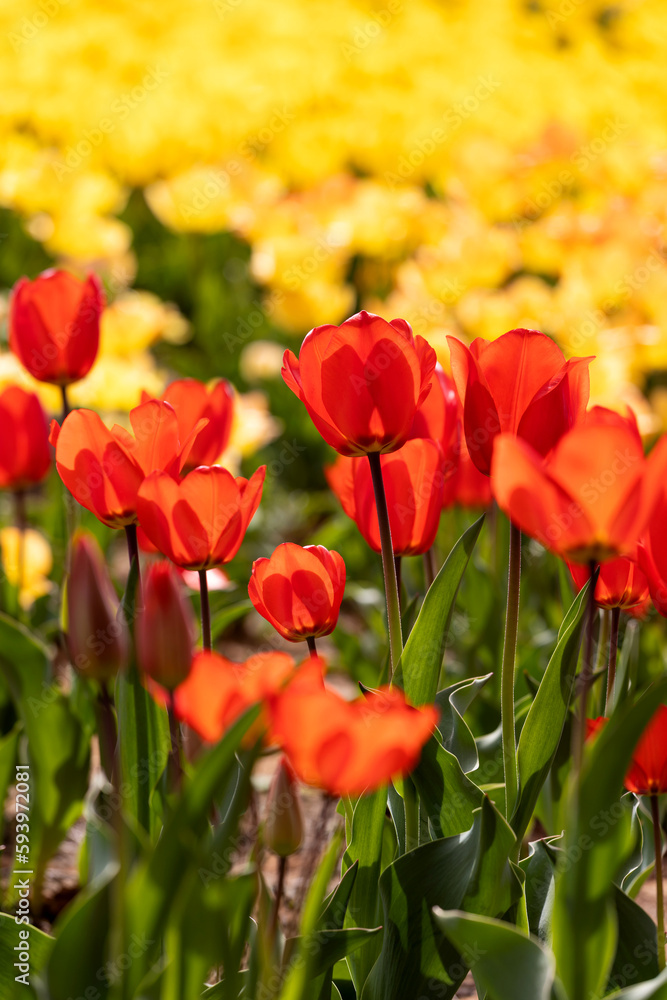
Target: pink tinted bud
165,632
97,637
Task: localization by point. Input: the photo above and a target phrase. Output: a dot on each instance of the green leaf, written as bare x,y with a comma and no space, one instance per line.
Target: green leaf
227,616
656,990
58,747
153,887
418,670
331,945
144,744
636,958
304,965
79,958
597,842
8,748
211,928
506,964
210,918
143,730
446,793
453,703
493,886
541,732
539,869
40,945
414,952
365,848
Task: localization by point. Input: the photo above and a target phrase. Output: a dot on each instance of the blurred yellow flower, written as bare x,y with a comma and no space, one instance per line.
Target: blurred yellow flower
26,560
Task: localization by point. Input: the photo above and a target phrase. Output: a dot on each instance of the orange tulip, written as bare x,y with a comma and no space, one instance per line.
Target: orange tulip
217,691
299,590
25,458
621,583
193,402
54,325
104,468
519,384
362,382
592,498
414,484
347,748
199,521
165,629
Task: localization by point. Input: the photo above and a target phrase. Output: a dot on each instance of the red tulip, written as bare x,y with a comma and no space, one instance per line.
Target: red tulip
347,748
54,325
413,482
200,521
25,458
647,774
621,583
652,553
468,487
594,495
218,691
97,636
362,382
519,384
103,469
299,590
165,630
194,401
439,418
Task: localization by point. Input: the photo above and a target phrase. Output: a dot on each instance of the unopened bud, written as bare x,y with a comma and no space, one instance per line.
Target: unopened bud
283,826
97,636
165,631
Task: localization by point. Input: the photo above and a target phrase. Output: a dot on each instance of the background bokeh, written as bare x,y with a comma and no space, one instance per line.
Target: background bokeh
238,171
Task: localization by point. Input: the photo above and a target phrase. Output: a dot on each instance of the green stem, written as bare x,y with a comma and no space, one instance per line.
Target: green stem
602,655
107,733
66,406
507,672
411,806
613,652
133,551
430,569
586,676
397,567
311,645
282,869
660,903
388,566
205,611
21,524
175,766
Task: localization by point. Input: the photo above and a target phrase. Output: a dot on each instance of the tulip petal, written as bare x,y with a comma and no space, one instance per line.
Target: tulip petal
534,500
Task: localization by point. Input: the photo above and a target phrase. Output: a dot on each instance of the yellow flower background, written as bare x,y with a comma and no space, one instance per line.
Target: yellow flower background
470,166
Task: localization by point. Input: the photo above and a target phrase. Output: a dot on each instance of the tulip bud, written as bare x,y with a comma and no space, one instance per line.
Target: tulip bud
165,632
283,826
97,637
